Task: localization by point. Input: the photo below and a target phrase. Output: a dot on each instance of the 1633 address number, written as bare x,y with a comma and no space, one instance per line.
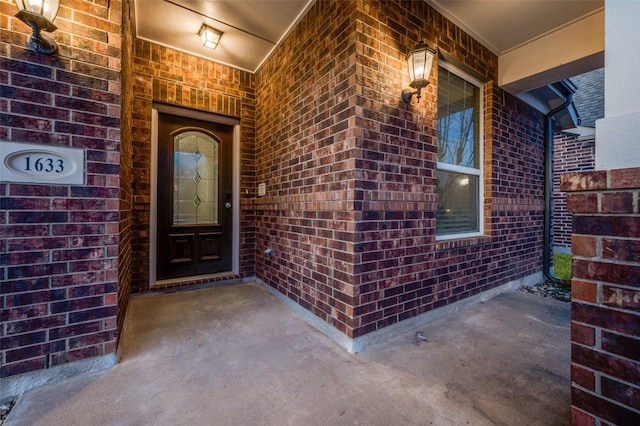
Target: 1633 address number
40,163
43,164
33,164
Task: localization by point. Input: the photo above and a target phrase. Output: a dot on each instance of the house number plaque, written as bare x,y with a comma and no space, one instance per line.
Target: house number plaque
28,163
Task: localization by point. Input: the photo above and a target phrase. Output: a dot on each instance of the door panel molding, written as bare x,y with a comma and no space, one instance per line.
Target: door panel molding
209,245
182,248
235,232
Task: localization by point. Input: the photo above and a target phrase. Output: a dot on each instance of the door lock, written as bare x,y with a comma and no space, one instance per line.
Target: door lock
228,198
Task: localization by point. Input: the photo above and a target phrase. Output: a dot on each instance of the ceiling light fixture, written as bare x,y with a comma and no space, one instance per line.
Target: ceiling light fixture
39,15
420,61
209,36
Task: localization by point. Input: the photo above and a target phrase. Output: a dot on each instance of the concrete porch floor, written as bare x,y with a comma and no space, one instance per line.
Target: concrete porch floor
236,355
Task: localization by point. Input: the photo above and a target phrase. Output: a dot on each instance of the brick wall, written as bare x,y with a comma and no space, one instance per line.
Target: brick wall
574,153
126,157
59,243
350,171
161,74
305,141
605,308
571,154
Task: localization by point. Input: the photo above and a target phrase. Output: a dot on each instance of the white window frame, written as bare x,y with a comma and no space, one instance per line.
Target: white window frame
468,170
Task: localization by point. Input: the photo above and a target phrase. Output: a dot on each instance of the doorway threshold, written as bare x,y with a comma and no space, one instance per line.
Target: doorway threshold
194,280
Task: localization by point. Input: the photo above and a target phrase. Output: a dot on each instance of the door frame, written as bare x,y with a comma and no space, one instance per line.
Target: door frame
235,191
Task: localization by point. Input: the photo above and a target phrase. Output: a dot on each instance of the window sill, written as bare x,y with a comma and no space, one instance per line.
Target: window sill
450,244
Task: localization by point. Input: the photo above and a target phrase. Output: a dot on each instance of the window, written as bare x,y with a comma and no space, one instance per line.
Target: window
459,155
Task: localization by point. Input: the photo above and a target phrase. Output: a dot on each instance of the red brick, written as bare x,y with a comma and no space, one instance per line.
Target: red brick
110,299
621,249
21,231
92,339
31,271
621,298
25,258
580,418
91,314
24,203
606,363
583,377
33,297
615,320
34,324
77,254
584,291
582,203
74,305
74,229
21,340
583,181
583,245
47,86
24,366
18,190
24,244
75,330
17,286
39,217
625,178
604,409
81,278
623,393
26,352
614,273
615,226
583,334
92,289
626,346
24,94
93,265
84,352
617,202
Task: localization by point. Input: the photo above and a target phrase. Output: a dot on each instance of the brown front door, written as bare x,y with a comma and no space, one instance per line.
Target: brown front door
194,197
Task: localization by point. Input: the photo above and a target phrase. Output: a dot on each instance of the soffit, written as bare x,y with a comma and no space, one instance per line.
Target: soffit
504,25
253,28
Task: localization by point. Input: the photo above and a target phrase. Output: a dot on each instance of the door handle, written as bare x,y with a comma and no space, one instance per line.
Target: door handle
227,205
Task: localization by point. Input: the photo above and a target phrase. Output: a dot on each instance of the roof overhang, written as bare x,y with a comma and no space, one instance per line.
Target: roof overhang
548,98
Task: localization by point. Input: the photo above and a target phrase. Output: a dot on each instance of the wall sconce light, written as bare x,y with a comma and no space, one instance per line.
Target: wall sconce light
420,61
209,36
39,15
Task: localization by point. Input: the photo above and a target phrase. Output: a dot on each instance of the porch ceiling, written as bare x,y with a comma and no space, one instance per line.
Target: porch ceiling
503,25
254,28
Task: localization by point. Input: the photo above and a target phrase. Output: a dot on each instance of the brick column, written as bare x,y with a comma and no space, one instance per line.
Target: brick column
605,307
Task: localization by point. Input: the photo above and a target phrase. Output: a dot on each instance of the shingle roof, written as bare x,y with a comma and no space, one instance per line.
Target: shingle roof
589,98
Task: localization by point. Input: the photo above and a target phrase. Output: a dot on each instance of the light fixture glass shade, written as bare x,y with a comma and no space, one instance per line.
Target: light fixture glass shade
45,8
39,15
420,61
209,36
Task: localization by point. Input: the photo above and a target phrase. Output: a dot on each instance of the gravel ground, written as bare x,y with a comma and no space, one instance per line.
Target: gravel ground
4,410
548,290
